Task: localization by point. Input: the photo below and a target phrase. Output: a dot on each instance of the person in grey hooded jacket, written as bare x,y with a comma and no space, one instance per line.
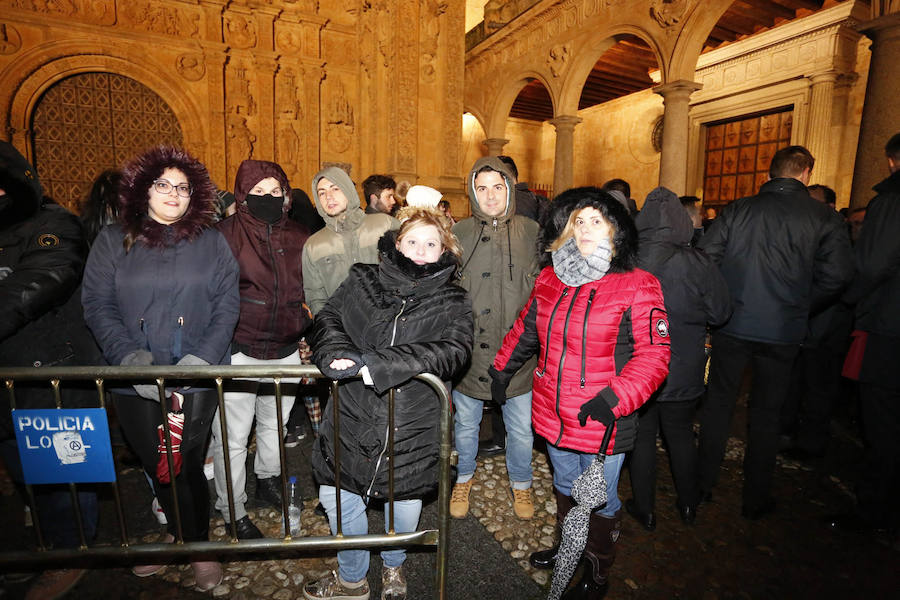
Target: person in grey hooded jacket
350,236
696,295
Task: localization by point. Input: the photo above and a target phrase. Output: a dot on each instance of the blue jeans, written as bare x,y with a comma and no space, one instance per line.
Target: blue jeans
519,437
568,465
353,565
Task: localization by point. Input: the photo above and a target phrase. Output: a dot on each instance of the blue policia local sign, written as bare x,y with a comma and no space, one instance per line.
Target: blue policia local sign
64,445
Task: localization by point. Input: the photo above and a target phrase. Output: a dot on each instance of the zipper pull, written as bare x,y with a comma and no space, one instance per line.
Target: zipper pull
494,224
181,321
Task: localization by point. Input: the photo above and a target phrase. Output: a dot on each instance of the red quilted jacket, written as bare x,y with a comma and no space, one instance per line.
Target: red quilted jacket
607,337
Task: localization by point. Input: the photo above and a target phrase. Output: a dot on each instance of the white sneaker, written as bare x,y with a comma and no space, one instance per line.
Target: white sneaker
158,512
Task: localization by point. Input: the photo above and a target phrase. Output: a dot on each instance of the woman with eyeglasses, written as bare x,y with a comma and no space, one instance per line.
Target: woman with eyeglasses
161,288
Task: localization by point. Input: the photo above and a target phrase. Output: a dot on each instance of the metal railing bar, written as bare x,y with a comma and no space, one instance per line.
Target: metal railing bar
135,554
282,457
170,460
336,433
226,454
390,441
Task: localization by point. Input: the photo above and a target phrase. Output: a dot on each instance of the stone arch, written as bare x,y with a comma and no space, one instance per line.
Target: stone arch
692,36
51,63
479,116
496,125
592,48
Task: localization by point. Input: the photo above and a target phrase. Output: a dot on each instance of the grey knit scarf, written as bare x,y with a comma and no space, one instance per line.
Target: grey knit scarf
574,270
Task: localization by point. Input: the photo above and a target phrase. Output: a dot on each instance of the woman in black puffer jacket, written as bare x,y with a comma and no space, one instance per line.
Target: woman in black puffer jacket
388,323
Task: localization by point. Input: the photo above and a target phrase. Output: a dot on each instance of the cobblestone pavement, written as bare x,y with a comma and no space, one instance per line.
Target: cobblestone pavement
787,555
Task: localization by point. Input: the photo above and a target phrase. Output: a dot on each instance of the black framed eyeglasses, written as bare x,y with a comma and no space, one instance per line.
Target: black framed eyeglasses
165,187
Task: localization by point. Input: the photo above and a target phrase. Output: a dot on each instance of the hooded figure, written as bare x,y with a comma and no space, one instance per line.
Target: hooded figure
350,236
499,265
161,288
268,247
42,254
696,295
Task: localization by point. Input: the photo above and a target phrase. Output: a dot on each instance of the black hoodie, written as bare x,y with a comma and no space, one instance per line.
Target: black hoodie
694,290
42,254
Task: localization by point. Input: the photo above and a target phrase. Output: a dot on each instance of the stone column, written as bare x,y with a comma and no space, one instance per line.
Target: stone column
565,151
495,145
880,118
673,159
819,138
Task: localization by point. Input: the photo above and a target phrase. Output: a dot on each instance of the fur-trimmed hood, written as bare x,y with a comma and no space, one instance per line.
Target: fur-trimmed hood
625,238
402,275
139,175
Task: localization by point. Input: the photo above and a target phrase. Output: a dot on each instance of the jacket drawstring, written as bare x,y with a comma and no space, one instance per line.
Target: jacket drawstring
477,240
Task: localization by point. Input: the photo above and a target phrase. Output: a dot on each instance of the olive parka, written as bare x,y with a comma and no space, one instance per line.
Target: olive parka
500,265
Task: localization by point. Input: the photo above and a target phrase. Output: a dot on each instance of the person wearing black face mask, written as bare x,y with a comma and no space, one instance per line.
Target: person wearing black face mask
268,247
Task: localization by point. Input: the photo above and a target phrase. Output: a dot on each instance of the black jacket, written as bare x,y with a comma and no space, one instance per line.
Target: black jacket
876,288
784,256
402,320
694,290
42,254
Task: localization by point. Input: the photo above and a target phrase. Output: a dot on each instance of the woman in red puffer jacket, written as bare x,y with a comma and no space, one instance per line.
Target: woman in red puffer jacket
600,329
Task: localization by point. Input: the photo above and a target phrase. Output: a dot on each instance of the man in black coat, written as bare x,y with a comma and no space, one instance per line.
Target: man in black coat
783,256
876,292
42,254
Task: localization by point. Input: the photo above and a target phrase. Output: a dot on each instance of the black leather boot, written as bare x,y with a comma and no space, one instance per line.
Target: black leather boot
599,555
546,559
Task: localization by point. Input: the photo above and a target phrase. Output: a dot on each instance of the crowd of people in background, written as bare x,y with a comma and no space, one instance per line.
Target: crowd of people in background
590,322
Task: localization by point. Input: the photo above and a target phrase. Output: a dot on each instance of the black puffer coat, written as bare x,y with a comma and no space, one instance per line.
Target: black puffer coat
42,254
694,290
401,319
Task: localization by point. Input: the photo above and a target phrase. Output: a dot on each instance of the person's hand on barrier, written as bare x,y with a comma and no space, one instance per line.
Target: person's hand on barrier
141,358
342,367
189,360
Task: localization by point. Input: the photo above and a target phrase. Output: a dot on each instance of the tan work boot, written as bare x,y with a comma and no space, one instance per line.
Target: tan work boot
459,499
522,504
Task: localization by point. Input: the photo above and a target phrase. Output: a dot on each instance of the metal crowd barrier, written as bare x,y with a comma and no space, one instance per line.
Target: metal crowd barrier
263,549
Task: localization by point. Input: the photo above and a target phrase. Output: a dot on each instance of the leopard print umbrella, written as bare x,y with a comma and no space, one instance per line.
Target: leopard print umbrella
589,492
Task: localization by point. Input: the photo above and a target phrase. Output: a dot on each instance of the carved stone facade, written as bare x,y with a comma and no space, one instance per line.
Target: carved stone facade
373,85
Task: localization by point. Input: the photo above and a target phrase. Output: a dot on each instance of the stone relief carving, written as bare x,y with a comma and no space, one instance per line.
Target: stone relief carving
10,40
181,22
340,123
240,31
241,99
556,61
405,113
240,139
288,41
668,12
96,10
191,66
431,31
59,7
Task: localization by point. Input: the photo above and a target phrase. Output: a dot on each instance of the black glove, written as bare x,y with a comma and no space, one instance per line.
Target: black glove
348,372
597,409
498,386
